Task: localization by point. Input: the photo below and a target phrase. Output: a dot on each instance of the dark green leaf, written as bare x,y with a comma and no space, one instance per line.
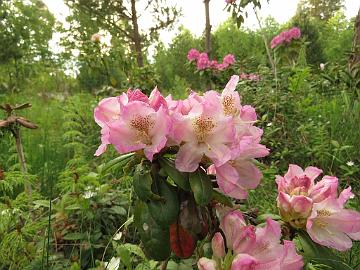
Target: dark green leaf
165,211
320,254
155,239
180,178
221,198
200,184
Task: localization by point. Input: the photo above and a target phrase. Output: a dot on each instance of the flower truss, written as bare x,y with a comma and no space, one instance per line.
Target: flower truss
317,208
203,62
250,247
286,37
211,127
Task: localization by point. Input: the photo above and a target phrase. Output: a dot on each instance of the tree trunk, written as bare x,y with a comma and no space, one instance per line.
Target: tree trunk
136,35
207,28
20,151
355,54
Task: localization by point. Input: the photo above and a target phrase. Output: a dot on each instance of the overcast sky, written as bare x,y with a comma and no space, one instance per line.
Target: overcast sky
193,14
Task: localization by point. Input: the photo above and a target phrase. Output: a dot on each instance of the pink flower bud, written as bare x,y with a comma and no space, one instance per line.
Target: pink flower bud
218,246
206,264
232,224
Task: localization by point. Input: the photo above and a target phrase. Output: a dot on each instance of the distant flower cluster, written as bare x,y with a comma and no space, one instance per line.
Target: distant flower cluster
230,1
250,76
203,62
286,37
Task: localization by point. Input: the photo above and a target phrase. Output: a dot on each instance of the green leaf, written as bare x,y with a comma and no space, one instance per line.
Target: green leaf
320,254
118,210
335,143
165,211
200,184
263,217
43,203
74,236
105,167
156,240
221,198
134,249
180,178
142,182
73,207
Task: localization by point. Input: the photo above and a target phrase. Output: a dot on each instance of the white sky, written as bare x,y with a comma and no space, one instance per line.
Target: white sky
193,14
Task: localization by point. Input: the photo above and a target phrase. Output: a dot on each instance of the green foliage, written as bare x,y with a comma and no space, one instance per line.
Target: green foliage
80,204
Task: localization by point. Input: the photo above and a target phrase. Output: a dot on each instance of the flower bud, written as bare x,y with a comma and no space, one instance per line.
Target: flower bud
206,264
218,246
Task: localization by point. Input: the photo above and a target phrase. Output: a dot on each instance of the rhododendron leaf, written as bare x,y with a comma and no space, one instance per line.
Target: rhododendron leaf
142,182
221,198
180,178
320,254
200,184
105,167
182,242
164,211
262,218
155,239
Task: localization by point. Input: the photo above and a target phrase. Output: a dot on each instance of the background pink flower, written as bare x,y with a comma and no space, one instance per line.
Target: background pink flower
193,54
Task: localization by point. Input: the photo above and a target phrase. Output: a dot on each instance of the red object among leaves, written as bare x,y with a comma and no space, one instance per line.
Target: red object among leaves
182,242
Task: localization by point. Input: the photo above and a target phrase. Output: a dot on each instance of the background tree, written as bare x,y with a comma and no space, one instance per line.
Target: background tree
207,27
25,30
320,9
120,18
355,55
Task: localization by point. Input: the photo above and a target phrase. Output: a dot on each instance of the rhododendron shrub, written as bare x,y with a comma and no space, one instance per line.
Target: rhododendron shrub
202,61
286,37
192,159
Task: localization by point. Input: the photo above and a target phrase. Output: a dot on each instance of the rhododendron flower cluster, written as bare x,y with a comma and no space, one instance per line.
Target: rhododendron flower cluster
286,37
213,129
317,207
230,1
250,76
251,247
203,62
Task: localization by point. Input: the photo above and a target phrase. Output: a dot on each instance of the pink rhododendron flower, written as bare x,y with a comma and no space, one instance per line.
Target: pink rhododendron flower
203,61
243,76
317,207
250,76
107,111
255,248
239,174
140,127
331,225
204,131
244,262
253,77
286,37
229,59
291,260
193,54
